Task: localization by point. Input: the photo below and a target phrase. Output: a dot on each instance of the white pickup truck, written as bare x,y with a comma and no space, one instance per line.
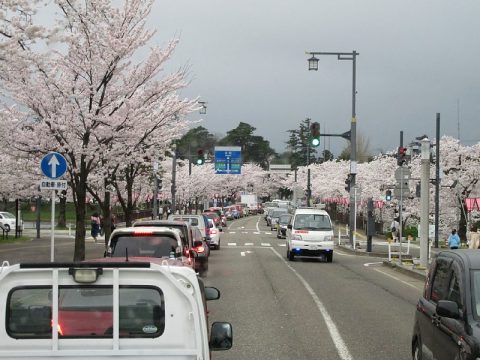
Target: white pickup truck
154,309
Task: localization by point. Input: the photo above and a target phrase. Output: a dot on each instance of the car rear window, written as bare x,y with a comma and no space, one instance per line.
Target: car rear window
85,312
193,221
150,245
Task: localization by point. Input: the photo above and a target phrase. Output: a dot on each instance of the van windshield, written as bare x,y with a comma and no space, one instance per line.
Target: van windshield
312,222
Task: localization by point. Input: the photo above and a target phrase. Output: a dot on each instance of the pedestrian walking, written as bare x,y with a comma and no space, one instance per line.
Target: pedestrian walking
395,228
95,225
454,240
474,238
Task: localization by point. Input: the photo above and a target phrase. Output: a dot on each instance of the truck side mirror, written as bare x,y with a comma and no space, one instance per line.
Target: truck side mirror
221,337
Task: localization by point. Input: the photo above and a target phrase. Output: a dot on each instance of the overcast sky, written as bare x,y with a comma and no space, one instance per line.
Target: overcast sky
248,62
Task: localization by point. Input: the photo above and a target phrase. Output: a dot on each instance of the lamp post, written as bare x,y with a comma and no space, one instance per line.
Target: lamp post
313,65
203,109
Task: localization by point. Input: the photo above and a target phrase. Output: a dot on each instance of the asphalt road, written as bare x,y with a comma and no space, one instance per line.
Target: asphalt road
353,308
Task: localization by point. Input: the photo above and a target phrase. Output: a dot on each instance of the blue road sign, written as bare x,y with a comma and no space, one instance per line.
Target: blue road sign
228,160
53,165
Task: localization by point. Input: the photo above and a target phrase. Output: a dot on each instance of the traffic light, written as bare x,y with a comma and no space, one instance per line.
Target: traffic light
401,155
388,195
347,184
315,134
200,157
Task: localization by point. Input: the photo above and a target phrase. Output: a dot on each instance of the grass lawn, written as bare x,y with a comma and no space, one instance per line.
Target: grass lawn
13,239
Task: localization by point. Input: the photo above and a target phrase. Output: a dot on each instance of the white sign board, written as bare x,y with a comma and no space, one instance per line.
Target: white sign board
50,184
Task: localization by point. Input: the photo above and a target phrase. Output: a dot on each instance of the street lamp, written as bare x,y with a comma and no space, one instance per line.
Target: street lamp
313,65
203,109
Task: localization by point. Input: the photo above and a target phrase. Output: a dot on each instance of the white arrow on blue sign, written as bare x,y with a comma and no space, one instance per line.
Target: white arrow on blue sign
53,165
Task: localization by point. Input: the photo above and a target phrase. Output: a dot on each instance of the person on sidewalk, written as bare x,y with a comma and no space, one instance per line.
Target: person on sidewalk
395,228
95,225
454,240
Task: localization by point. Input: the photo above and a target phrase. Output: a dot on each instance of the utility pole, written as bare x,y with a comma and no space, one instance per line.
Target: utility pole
155,191
425,201
174,174
437,180
309,189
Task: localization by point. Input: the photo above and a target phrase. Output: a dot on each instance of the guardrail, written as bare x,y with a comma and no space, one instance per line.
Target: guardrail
390,252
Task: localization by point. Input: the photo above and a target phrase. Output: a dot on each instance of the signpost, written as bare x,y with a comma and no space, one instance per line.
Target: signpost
53,166
228,160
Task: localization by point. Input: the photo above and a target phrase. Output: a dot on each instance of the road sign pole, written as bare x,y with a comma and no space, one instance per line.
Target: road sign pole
400,222
52,235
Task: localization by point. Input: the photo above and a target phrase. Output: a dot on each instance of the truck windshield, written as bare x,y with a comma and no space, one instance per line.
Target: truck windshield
85,312
312,222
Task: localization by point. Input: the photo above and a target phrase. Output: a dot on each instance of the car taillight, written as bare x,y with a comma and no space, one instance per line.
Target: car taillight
213,231
199,249
59,328
142,233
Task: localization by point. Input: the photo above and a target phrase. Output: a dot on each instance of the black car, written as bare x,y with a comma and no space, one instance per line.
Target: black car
447,320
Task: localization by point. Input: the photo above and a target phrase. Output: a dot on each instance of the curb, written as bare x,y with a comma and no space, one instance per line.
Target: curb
410,272
362,252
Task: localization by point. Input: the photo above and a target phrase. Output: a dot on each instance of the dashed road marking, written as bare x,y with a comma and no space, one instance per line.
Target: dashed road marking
232,244
232,232
268,233
256,233
373,263
265,244
248,244
282,244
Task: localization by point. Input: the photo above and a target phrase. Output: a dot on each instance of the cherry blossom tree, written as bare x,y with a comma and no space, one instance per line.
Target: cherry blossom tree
87,99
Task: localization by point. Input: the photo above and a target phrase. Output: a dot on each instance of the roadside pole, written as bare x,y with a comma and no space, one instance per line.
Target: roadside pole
52,235
425,202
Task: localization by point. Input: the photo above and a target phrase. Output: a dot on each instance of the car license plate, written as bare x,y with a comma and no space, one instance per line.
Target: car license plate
313,247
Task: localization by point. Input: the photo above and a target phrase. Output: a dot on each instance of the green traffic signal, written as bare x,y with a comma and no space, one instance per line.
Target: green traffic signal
315,134
315,141
200,161
200,157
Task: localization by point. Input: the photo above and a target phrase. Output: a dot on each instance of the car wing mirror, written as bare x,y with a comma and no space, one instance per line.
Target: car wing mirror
221,337
447,308
211,293
220,229
289,226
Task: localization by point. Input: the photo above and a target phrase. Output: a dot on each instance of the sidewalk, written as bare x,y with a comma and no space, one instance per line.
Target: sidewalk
410,263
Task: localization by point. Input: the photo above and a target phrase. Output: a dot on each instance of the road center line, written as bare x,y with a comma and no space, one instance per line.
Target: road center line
398,279
342,348
258,229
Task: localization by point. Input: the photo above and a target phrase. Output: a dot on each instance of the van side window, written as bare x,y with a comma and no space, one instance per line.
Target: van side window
85,312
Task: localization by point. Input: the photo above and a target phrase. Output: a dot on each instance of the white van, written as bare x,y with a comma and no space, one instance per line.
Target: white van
310,233
107,310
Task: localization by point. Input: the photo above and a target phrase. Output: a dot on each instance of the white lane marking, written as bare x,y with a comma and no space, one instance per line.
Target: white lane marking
256,233
282,244
232,244
242,253
341,253
268,233
248,244
232,232
374,263
398,279
258,229
244,232
242,227
342,348
265,244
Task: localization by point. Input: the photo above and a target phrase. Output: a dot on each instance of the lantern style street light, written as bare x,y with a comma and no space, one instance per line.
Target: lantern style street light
313,65
203,109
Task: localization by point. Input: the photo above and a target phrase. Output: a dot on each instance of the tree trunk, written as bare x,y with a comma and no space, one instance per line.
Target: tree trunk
462,225
62,218
79,187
